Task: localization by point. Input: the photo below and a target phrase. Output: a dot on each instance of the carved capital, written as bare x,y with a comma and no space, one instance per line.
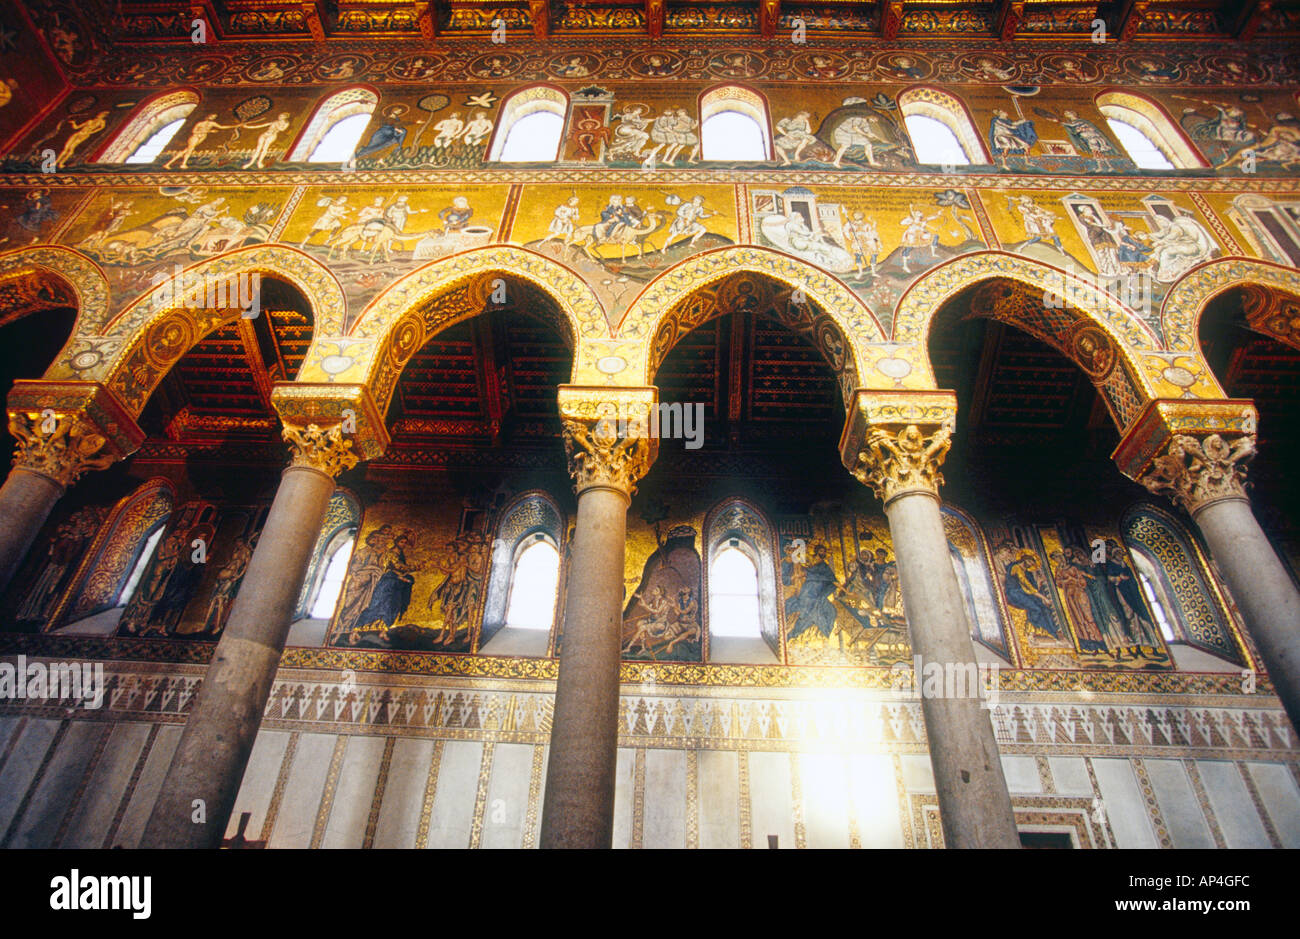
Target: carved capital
301,404
1194,452
606,435
63,429
324,449
599,456
893,462
895,442
60,446
1195,472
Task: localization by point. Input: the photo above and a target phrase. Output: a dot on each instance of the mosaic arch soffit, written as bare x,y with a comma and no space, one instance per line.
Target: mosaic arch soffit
656,302
1187,299
82,274
1142,350
170,330
384,329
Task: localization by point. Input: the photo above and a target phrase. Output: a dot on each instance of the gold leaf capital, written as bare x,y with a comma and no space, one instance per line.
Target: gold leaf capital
896,460
60,446
324,449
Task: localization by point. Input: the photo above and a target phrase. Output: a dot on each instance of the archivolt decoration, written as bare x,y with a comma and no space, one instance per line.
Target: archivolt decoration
398,322
1158,373
1186,300
654,309
81,273
747,292
137,347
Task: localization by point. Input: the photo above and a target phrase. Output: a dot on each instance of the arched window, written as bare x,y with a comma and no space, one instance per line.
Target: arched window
733,593
1143,126
948,111
150,129
322,588
524,580
110,568
1141,149
742,613
340,141
533,585
530,126
934,142
148,151
146,555
1177,583
331,580
734,125
323,140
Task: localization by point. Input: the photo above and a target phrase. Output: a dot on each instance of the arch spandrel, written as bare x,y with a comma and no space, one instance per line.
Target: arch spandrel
1186,300
400,320
650,311
133,352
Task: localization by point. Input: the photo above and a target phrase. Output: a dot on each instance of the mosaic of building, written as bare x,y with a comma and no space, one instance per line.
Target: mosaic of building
458,350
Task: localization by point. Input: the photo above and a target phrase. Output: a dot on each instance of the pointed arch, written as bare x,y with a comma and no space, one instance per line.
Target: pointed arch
738,524
655,316
83,276
951,112
107,564
1150,119
137,347
530,517
349,102
397,323
151,116
1144,371
1185,304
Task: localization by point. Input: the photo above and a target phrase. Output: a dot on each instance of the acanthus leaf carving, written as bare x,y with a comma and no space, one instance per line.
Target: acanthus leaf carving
897,460
598,456
1196,472
62,453
324,449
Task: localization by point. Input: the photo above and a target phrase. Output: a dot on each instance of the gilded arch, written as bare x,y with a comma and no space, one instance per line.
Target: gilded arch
80,273
1156,372
398,322
655,308
1186,301
133,351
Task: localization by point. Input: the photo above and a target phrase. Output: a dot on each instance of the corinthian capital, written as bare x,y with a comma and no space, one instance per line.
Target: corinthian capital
320,448
1193,451
1195,472
598,456
895,442
894,461
59,446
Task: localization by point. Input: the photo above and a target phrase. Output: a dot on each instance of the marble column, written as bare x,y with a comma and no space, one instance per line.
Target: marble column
57,429
605,461
209,762
895,443
1196,453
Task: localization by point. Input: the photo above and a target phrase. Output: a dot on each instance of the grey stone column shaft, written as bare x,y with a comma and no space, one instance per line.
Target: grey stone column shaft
578,811
26,499
1262,589
213,752
974,806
